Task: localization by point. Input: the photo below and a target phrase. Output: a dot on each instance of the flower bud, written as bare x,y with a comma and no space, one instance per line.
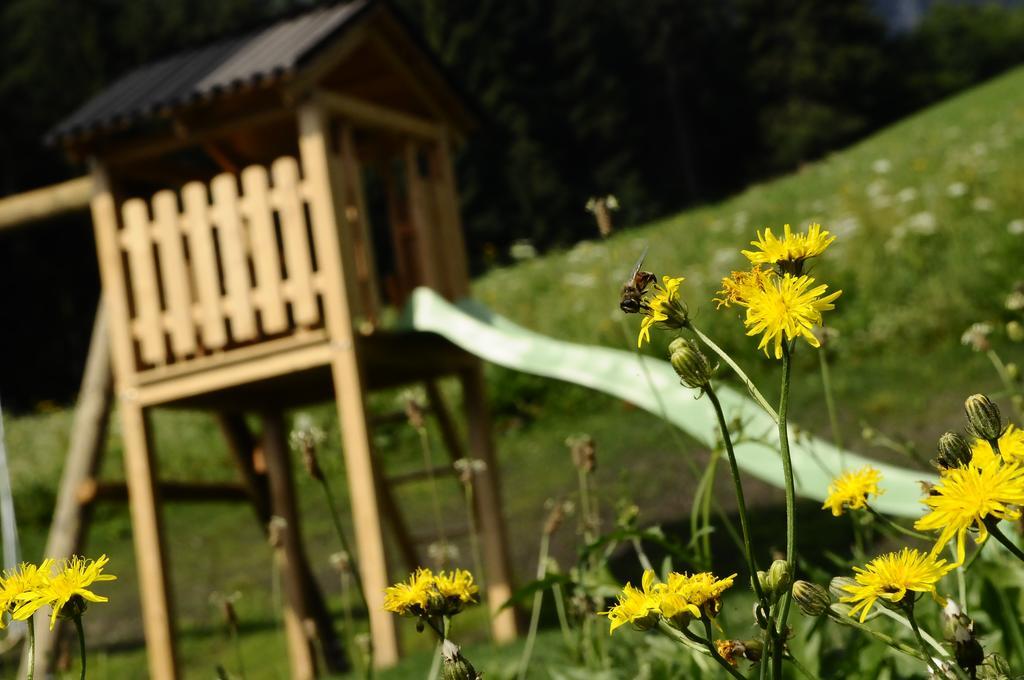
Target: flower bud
954,451
837,584
1013,371
812,599
690,364
456,667
776,581
753,650
983,418
1015,331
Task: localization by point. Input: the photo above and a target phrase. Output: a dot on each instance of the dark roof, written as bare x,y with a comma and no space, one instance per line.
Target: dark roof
257,57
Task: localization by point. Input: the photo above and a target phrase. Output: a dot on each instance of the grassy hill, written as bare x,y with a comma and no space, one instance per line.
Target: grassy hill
930,219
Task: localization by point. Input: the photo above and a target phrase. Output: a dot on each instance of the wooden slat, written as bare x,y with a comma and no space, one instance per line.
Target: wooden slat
256,205
419,213
233,256
174,274
366,266
288,201
451,222
142,273
204,264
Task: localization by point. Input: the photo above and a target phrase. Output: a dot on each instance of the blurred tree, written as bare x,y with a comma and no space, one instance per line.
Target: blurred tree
814,72
663,103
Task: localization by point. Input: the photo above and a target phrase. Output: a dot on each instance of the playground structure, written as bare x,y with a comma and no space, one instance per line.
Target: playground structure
241,274
257,204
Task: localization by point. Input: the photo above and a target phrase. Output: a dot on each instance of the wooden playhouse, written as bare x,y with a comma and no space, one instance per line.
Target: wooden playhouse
245,267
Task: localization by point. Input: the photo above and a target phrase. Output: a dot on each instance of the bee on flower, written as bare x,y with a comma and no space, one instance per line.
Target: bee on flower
851,489
663,308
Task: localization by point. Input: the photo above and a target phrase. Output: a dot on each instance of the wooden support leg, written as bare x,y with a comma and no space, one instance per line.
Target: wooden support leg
85,450
399,529
365,509
149,545
286,538
488,505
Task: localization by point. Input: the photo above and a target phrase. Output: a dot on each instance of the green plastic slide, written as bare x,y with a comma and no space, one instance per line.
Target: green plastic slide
497,340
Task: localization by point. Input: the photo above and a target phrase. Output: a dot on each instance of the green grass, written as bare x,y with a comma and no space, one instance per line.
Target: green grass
919,258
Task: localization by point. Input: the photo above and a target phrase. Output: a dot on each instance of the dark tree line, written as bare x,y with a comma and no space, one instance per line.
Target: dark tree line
665,103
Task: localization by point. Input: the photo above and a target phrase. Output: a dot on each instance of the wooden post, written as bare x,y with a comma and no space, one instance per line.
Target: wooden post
139,472
287,543
488,505
242,445
147,530
332,235
85,451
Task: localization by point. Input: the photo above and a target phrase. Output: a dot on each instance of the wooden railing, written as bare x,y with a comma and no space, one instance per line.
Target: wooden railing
220,266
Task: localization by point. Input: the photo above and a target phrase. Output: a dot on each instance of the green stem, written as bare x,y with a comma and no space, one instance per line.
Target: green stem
801,668
81,641
741,504
1010,545
237,643
538,598
920,640
897,527
585,509
787,469
563,619
474,533
679,441
881,637
754,392
31,647
434,496
354,567
830,405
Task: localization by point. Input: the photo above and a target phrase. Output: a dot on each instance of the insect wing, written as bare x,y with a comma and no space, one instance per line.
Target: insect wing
636,269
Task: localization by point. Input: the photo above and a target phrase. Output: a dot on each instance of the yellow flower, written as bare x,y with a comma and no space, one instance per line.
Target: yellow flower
693,593
1011,446
456,584
664,308
851,489
791,250
639,607
17,584
890,576
966,496
738,287
788,308
410,598
72,581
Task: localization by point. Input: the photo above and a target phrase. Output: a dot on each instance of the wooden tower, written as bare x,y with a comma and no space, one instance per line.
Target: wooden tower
257,204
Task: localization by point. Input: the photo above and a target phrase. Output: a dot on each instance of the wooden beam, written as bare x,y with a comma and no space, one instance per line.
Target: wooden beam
41,204
139,150
369,114
92,491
